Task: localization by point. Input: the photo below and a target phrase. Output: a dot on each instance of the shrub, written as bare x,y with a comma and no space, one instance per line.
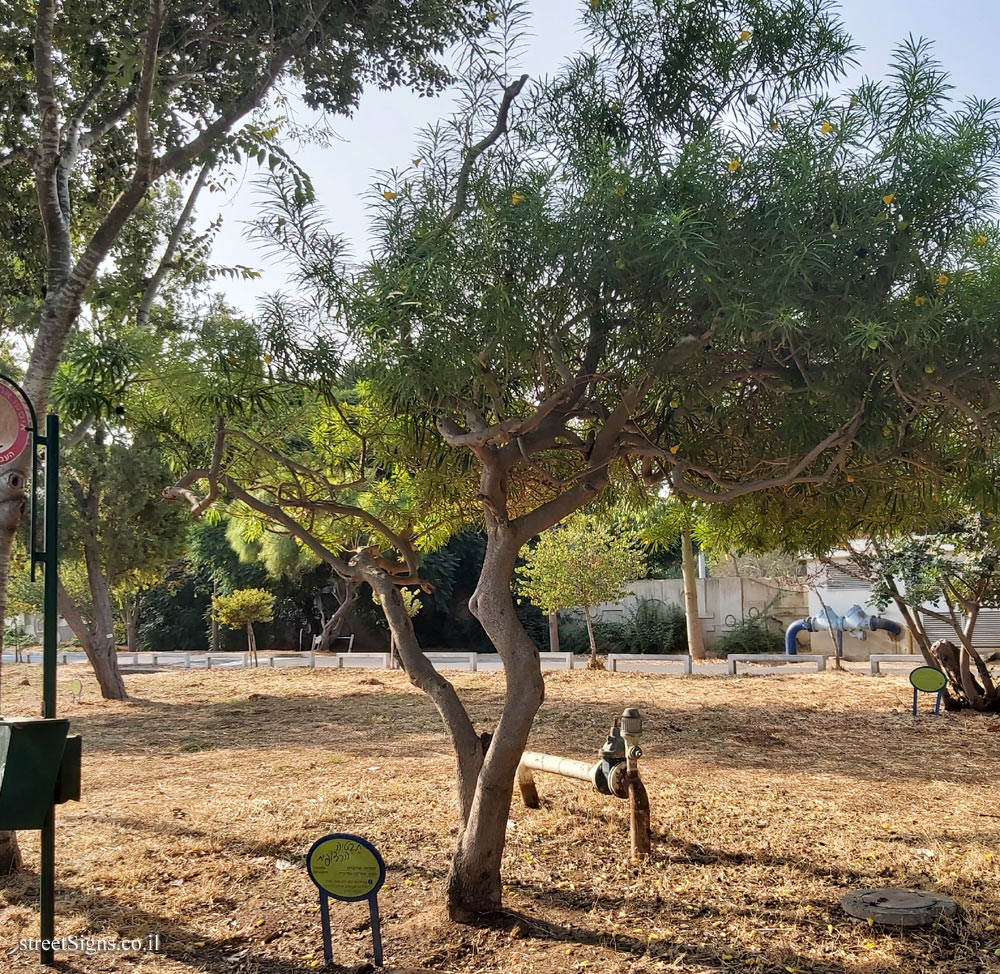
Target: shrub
751,636
652,626
656,627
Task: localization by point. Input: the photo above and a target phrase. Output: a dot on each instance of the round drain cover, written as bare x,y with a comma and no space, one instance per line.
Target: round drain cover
899,907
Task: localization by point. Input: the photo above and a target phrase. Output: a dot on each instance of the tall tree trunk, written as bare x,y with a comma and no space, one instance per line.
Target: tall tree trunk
595,661
11,509
252,643
696,638
474,887
130,611
553,632
214,645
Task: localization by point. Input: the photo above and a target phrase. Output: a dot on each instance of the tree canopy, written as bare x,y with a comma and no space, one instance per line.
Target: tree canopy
580,563
682,260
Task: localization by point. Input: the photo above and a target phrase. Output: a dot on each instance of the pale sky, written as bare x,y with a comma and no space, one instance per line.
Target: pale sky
383,130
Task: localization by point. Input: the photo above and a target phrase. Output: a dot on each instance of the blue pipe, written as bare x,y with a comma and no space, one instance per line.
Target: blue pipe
792,631
877,622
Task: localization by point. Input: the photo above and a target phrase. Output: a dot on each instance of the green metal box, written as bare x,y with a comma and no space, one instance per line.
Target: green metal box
31,754
68,782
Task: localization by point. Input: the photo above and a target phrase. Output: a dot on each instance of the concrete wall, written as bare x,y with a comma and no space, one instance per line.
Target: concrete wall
722,602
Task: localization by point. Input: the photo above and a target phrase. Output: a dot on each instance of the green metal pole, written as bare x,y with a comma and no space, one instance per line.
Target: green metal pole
51,591
50,617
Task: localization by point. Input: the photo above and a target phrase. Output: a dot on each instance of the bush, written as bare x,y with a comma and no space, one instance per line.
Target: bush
651,627
573,639
751,636
656,627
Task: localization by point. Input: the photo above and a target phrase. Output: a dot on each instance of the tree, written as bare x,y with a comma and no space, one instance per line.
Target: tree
117,525
664,524
951,576
579,563
101,102
242,609
679,261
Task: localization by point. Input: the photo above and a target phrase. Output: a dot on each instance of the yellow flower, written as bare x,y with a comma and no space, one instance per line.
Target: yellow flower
850,479
744,35
267,359
920,300
981,239
888,198
774,125
674,449
826,128
491,17
734,164
516,198
389,195
417,162
943,280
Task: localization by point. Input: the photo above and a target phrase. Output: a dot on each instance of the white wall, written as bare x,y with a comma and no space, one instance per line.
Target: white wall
722,602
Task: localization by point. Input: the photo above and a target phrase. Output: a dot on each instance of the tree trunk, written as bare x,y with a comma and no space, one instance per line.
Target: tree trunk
11,510
595,661
130,611
100,650
696,639
252,643
474,887
468,745
333,626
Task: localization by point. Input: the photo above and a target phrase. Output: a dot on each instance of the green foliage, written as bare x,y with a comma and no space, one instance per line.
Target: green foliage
954,568
655,627
243,607
650,626
750,636
411,604
579,563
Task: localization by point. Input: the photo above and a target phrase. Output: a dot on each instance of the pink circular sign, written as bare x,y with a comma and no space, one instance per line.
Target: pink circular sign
13,425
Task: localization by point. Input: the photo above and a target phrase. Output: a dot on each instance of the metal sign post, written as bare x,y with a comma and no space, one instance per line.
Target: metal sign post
18,425
49,558
350,869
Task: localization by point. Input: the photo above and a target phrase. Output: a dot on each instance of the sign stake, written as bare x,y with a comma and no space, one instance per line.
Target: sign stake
350,869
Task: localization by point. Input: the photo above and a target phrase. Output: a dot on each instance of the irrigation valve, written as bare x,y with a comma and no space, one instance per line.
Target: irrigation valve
616,773
638,799
631,723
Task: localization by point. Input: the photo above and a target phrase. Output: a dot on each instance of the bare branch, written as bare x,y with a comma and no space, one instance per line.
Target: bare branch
173,242
472,154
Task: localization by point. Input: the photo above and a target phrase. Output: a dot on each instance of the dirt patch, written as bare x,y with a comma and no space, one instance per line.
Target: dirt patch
772,796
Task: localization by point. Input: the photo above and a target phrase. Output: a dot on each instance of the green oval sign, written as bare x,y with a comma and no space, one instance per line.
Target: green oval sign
346,866
928,679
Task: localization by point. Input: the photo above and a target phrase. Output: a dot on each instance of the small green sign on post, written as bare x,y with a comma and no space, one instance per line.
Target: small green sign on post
928,679
350,869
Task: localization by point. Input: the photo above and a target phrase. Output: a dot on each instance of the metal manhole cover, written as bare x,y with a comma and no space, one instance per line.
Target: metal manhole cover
899,907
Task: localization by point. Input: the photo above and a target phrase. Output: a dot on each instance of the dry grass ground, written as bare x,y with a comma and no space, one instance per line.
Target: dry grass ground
772,796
